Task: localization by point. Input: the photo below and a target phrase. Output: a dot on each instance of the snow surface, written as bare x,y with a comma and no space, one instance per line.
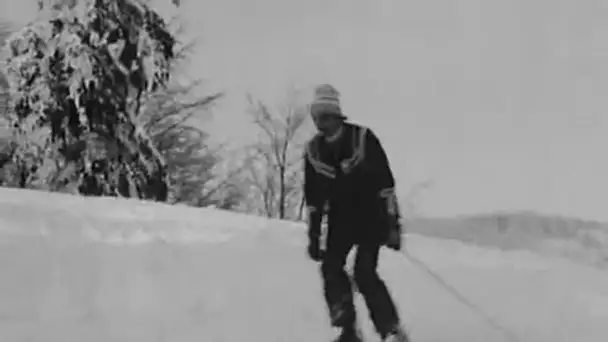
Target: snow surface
80,270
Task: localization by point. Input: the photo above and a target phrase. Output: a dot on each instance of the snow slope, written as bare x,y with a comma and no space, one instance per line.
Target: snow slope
80,270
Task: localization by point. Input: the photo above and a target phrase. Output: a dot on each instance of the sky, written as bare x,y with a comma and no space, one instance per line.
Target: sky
501,104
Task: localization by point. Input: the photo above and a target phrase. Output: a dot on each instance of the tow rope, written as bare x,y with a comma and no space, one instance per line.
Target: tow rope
461,298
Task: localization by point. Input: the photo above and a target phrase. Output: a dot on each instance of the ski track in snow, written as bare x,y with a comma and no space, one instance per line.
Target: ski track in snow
101,270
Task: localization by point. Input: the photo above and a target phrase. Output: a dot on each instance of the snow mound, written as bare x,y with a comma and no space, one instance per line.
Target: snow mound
117,221
79,269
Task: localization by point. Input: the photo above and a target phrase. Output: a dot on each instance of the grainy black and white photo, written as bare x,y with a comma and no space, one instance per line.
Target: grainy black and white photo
303,170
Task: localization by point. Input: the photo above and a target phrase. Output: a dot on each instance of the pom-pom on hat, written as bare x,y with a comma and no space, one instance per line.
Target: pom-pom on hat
326,100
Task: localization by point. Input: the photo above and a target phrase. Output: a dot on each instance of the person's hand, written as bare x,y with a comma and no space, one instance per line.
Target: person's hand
314,250
394,234
314,233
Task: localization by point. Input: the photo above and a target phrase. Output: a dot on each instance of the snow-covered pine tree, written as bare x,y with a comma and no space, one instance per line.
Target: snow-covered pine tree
78,79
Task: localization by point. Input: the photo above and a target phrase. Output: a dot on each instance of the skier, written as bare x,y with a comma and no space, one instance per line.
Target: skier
348,181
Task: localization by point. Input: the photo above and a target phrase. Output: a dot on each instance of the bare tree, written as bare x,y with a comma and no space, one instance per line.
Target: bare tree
276,174
6,144
5,31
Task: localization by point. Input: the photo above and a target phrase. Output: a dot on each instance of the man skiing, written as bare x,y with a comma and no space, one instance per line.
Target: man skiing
348,180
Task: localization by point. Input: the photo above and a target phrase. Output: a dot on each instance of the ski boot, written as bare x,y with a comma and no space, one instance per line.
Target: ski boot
398,334
350,334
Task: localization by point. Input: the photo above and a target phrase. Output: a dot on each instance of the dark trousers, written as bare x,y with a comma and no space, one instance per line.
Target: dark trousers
338,287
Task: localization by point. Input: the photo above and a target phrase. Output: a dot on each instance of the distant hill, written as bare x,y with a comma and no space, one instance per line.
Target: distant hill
576,239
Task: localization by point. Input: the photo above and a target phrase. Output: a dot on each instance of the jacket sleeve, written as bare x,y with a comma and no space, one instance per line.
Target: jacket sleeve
313,198
381,169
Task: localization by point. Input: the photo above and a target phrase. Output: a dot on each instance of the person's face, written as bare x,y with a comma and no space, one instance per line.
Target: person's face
327,123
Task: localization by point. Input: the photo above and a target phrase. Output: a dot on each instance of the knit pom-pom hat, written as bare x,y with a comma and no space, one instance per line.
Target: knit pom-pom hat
326,100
